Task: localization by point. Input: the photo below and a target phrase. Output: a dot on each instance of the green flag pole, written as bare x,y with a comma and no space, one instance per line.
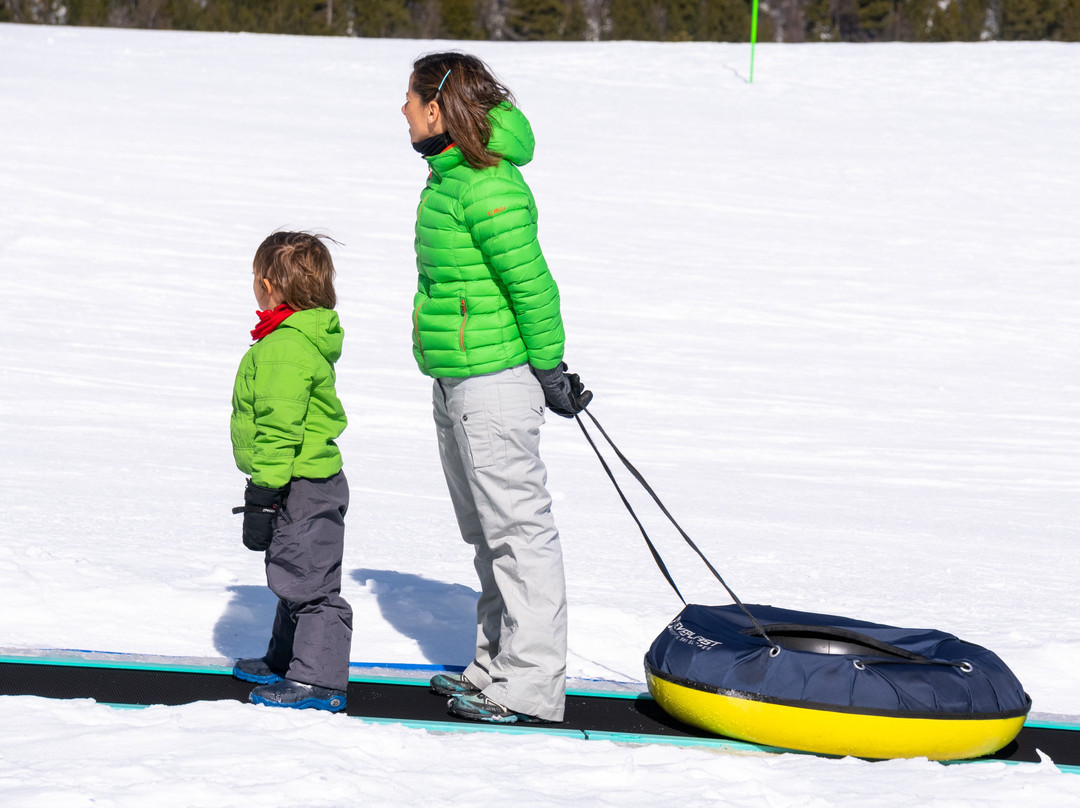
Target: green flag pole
753,39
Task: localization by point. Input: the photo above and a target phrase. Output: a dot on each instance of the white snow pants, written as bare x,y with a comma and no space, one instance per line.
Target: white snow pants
489,439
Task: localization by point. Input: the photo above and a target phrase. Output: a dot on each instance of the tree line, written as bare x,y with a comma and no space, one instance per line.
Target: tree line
593,20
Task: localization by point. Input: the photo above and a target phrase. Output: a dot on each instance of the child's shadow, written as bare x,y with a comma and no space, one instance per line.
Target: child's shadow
441,617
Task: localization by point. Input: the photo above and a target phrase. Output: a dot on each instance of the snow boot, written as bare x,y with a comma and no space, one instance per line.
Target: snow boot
448,684
298,696
478,707
256,671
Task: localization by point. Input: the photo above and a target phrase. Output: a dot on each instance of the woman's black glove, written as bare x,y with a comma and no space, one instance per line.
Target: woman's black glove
564,393
260,509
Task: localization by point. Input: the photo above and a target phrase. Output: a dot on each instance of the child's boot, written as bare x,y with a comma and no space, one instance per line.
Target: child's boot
299,696
256,670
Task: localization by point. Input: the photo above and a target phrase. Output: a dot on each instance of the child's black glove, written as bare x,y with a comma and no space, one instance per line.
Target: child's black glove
260,509
564,393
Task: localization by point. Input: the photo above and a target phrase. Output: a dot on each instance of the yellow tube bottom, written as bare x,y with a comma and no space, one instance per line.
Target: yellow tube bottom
825,732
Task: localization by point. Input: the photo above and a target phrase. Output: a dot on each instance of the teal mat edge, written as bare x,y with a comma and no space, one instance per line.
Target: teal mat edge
105,659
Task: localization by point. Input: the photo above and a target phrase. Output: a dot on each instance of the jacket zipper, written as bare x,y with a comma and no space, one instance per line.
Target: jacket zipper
464,320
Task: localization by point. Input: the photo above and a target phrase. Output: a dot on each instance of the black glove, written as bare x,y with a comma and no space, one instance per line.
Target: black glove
564,393
260,509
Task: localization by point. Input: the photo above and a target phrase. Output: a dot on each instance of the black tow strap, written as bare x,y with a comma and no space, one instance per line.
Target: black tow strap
652,548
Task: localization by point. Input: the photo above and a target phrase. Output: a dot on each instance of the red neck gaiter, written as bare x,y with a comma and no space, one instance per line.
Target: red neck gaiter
269,320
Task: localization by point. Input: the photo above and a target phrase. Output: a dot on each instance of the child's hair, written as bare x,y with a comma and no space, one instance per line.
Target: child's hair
300,268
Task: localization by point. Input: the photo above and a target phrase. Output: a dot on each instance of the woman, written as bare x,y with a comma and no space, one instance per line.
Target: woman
487,327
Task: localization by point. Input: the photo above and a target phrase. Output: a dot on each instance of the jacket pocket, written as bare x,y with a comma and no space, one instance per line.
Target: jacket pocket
464,322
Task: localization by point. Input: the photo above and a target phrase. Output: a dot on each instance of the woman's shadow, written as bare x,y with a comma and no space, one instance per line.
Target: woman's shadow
440,617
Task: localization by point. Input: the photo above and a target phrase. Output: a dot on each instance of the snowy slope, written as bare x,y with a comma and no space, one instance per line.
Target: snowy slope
833,317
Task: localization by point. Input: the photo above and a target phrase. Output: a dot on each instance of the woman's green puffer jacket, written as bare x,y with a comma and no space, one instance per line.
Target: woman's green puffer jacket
485,300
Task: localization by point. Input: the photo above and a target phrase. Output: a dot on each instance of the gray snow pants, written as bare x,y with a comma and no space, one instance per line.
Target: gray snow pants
489,439
312,635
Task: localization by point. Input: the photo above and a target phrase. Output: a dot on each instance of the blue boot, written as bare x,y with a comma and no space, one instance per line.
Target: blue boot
298,696
255,670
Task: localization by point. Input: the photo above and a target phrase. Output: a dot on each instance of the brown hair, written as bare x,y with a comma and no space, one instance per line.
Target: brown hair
300,268
469,91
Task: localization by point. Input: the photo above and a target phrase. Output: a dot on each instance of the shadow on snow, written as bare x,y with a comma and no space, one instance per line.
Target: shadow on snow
440,617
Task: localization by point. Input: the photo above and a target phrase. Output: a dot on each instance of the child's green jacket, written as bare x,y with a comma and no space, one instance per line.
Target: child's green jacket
286,412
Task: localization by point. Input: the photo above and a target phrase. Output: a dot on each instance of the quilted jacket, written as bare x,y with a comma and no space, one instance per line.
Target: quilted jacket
485,300
286,414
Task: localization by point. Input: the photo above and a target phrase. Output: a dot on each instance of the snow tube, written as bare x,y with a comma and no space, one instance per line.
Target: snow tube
833,685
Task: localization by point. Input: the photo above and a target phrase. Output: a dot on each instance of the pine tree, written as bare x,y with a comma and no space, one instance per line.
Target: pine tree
681,20
535,19
576,22
87,12
950,21
875,19
48,12
635,19
727,21
382,18
452,19
1068,29
1027,19
820,25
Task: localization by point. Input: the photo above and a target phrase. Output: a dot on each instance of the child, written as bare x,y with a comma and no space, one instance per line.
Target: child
286,416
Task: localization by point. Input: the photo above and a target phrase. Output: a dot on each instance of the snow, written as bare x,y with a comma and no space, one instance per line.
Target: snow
832,316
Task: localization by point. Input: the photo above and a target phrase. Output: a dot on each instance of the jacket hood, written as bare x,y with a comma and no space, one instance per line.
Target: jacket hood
322,328
511,137
511,134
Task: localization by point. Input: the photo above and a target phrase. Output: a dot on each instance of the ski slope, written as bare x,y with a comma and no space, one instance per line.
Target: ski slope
833,316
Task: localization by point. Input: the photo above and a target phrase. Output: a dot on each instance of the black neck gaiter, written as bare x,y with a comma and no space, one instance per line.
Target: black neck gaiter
430,146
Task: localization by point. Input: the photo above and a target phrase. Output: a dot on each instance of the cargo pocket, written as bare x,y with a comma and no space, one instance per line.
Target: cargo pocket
290,567
478,431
